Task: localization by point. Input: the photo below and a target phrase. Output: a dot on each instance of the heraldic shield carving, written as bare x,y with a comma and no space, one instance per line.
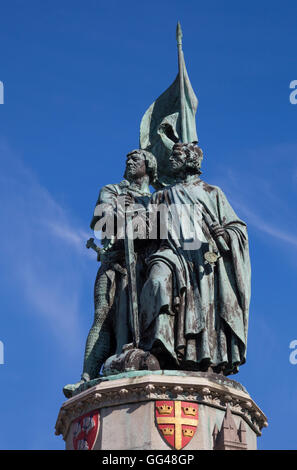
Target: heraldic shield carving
85,431
176,421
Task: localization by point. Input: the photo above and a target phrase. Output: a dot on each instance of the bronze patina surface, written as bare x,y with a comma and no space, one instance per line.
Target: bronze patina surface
174,295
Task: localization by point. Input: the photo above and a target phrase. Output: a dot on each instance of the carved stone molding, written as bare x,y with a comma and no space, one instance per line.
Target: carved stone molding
139,389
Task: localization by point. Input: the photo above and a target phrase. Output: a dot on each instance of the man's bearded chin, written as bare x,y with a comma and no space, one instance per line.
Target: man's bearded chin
129,174
178,168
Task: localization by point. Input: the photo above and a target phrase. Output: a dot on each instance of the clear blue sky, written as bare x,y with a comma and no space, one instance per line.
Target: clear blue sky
78,77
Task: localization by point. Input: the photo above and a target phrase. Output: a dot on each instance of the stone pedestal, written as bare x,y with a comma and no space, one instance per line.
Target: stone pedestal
127,410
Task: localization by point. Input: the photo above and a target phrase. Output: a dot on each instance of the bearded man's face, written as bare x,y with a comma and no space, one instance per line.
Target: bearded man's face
177,160
135,166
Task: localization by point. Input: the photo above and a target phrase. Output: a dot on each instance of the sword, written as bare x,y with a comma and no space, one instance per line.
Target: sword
90,244
131,271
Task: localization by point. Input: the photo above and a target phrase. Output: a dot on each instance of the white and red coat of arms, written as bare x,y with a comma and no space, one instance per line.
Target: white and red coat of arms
85,430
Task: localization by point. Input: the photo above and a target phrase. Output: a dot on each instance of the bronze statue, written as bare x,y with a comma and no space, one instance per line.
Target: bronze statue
112,328
178,299
195,301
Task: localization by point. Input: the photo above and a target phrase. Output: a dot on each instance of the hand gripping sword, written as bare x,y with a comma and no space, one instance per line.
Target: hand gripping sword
131,271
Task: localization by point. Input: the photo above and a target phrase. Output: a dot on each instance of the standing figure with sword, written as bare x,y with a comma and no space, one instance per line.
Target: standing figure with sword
120,275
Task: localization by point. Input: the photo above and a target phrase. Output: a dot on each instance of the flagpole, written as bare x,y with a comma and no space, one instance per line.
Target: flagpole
179,36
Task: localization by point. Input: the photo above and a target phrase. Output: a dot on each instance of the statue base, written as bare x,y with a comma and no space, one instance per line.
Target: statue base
162,410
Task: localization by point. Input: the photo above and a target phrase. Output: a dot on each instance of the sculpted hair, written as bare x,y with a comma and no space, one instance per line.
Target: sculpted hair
150,163
151,166
194,156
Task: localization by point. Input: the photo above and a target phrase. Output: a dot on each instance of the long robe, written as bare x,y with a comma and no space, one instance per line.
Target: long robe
199,314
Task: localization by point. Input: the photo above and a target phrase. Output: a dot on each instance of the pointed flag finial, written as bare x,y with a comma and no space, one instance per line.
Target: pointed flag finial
179,34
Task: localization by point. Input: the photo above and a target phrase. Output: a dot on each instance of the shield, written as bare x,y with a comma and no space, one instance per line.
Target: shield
176,421
85,431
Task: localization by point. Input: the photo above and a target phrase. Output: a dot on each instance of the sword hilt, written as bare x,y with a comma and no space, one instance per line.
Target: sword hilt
90,244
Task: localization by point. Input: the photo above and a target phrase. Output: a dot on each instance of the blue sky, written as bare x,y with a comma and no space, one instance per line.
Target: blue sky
78,76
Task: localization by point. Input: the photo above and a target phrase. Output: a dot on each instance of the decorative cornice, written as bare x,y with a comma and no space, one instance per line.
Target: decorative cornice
161,387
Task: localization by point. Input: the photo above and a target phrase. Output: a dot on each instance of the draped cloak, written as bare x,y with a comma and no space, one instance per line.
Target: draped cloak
202,318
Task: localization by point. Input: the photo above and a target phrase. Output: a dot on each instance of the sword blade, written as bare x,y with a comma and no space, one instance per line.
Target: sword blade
132,284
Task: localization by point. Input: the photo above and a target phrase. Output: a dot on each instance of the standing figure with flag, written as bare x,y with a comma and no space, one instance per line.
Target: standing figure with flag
195,301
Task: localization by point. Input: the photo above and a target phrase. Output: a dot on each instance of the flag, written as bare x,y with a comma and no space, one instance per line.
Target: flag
162,126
